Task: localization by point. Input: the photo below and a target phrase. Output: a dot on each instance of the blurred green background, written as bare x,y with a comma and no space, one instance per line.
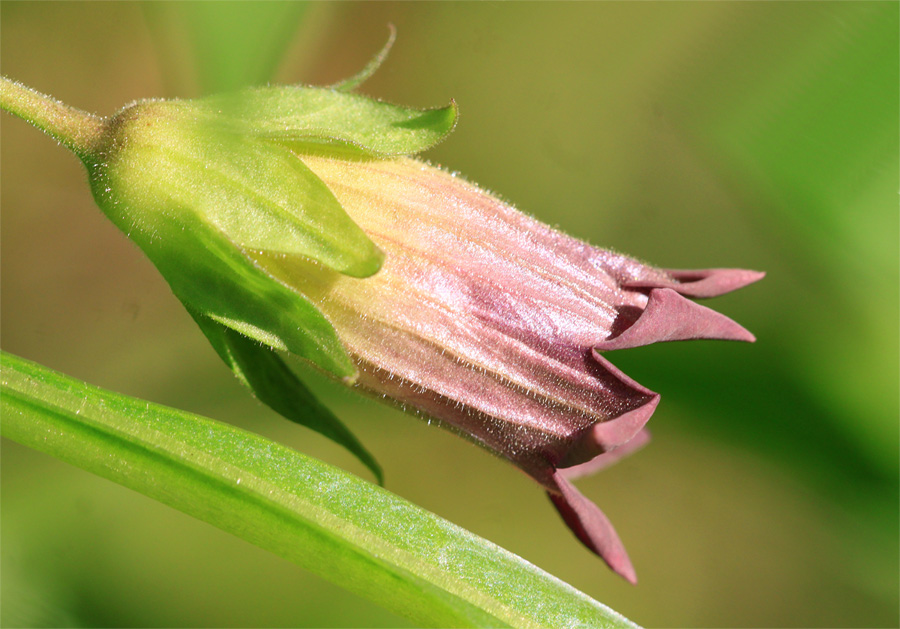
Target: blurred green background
757,135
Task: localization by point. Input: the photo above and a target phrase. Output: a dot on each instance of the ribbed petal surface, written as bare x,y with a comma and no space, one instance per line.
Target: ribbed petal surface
487,321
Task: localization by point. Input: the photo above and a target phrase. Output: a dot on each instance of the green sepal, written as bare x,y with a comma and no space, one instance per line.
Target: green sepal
213,277
336,122
273,383
268,200
258,194
351,83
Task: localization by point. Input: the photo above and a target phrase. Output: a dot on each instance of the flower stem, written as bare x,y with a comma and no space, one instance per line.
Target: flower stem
77,130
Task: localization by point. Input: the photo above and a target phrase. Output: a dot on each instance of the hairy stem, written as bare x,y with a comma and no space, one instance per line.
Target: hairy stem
78,130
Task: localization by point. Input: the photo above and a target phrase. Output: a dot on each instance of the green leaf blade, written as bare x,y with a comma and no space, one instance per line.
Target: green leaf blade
232,44
332,523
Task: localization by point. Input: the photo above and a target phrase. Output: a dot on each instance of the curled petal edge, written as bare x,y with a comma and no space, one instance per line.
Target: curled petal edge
606,436
607,459
591,526
702,283
668,316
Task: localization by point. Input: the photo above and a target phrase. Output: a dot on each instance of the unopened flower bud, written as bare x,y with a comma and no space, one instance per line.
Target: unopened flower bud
290,219
493,323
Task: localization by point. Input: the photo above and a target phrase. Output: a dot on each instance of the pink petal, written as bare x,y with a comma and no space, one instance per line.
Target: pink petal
488,322
670,317
701,283
535,431
608,435
591,526
602,461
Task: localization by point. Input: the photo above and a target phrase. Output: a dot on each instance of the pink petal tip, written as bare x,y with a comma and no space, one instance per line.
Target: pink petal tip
702,283
592,527
670,317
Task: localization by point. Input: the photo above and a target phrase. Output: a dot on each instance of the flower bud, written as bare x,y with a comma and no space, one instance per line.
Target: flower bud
493,324
285,220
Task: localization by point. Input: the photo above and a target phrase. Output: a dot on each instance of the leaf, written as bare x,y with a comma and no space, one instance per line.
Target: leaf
334,121
262,371
330,522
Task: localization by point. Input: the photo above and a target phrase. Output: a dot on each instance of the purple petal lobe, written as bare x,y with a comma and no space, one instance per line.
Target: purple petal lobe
670,317
591,526
602,461
608,435
701,283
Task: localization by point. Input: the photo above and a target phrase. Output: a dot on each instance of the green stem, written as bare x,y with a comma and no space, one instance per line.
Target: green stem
78,130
